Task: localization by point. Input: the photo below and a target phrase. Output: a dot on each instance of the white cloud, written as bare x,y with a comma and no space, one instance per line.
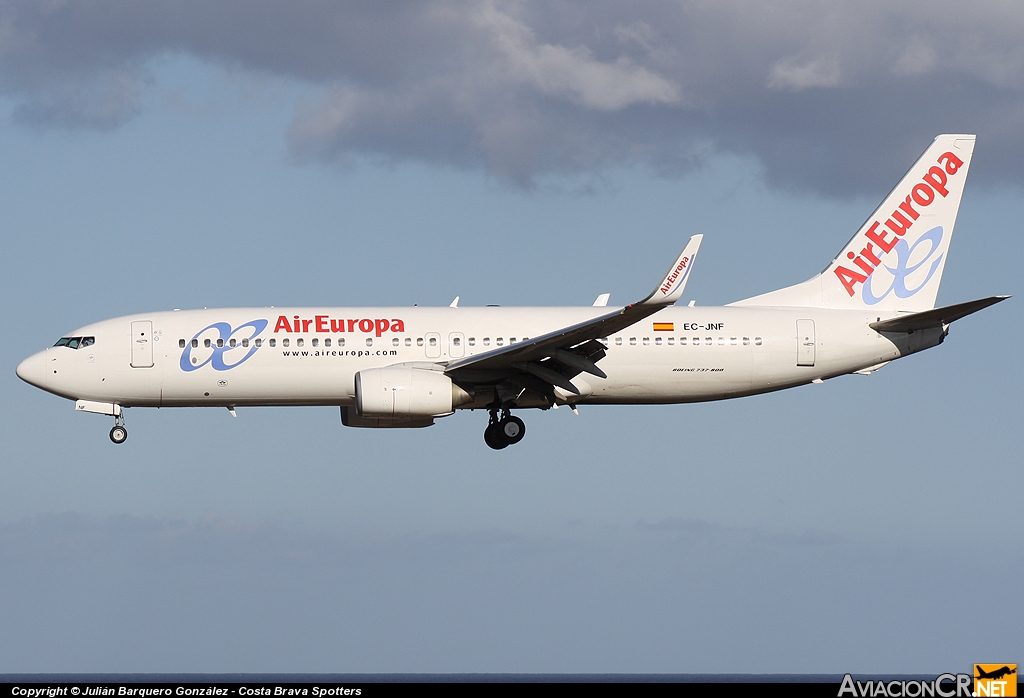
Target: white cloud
572,73
797,74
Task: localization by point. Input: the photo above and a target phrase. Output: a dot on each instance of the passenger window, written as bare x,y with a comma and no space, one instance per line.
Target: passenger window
206,343
647,341
327,341
341,341
231,343
285,342
273,342
632,341
259,342
316,341
487,341
456,342
301,341
671,341
511,340
732,341
395,342
195,343
432,341
657,341
696,341
369,341
499,341
708,341
408,341
618,341
245,342
721,341
757,341
419,341
181,343
746,341
220,342
682,341
472,341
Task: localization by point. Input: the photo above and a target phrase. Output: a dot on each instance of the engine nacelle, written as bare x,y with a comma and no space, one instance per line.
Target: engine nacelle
396,392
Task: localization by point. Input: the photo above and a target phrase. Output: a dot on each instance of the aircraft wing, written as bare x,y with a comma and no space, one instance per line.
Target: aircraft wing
936,317
558,355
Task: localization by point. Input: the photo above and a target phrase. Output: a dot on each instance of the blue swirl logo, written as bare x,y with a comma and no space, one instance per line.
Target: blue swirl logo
903,268
223,345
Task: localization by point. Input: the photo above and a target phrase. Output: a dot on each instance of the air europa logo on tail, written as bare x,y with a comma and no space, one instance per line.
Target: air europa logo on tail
670,280
881,241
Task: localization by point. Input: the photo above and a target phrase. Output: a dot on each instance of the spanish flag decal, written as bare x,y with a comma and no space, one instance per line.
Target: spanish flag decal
664,327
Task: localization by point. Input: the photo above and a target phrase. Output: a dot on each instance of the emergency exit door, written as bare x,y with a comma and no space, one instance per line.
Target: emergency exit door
142,344
805,342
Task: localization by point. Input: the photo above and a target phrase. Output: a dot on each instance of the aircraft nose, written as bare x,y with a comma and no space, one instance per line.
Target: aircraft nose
33,370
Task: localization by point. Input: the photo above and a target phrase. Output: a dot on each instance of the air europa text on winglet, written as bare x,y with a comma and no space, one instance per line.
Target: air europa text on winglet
899,222
671,279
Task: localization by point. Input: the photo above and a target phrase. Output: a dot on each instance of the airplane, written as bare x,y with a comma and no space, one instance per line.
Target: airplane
401,367
1005,670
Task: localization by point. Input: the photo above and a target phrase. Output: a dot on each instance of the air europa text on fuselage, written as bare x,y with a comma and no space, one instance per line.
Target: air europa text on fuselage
921,196
325,323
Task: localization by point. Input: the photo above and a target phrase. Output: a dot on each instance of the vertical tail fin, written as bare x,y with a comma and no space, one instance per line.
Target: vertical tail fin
895,260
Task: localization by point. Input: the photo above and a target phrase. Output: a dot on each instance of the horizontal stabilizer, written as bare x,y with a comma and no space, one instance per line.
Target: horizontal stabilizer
936,317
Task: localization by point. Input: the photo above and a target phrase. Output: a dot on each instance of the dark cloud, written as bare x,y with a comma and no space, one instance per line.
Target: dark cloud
832,97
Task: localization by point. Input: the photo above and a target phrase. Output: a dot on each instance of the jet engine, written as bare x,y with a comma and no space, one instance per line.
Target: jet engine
402,391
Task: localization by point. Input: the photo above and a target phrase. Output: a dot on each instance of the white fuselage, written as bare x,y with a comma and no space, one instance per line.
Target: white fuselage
310,356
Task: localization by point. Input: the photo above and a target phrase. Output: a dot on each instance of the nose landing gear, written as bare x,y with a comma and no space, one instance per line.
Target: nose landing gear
119,434
505,431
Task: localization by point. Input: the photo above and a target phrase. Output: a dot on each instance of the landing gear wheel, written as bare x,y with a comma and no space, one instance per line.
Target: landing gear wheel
512,429
118,434
493,437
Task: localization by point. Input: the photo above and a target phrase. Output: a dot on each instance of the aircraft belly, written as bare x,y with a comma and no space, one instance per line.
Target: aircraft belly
263,383
681,374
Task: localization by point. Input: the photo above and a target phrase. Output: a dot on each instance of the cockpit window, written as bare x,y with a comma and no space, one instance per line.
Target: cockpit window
75,342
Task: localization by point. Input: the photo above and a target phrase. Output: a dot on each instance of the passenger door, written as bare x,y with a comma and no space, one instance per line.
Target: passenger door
805,342
142,344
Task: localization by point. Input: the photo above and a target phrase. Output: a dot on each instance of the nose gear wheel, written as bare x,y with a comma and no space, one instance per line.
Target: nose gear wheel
119,434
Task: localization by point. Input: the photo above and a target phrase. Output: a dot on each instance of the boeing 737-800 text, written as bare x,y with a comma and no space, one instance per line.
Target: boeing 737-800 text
405,367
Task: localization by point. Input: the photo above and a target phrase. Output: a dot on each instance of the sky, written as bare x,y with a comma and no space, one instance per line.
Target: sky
190,154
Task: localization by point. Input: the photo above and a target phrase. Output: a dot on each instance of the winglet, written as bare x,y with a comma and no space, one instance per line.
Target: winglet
936,317
671,287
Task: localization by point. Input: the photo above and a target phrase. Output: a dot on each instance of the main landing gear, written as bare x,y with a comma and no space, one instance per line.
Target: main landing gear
505,431
119,434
